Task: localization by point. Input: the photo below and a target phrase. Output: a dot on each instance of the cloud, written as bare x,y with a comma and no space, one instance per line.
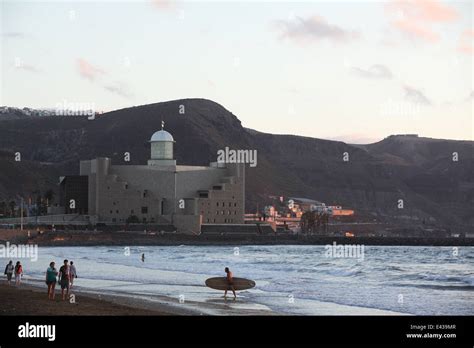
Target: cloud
376,71
470,97
28,67
93,73
87,70
415,18
466,42
14,35
164,4
356,138
312,29
416,96
119,89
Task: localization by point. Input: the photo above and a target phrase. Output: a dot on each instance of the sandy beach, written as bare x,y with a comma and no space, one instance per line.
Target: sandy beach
32,300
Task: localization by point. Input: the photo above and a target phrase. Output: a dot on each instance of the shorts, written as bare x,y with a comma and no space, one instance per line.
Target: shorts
64,283
17,277
49,282
9,276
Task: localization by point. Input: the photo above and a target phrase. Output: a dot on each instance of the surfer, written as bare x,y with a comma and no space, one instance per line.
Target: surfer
143,257
230,282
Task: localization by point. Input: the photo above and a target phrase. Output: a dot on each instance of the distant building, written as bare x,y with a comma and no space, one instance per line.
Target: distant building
159,192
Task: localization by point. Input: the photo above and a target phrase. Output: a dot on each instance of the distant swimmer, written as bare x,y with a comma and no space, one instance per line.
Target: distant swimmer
143,257
230,282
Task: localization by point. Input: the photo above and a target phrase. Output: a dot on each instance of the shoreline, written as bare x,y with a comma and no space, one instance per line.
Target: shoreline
120,238
30,298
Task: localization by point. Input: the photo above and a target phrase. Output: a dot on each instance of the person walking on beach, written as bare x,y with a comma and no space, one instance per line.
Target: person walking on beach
51,274
9,271
72,273
230,282
18,273
143,257
64,279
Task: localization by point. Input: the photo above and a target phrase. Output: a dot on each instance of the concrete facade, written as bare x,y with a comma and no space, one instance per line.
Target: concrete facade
163,192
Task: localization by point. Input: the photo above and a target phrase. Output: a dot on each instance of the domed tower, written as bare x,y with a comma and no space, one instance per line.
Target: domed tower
161,145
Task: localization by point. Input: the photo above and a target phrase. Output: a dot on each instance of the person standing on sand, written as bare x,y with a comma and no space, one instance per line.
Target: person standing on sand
64,279
230,282
18,273
143,257
9,271
72,273
51,275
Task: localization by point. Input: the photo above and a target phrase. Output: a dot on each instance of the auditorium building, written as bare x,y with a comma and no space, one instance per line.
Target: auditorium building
159,192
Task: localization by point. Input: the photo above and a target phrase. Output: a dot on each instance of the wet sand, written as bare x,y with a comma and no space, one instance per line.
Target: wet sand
30,298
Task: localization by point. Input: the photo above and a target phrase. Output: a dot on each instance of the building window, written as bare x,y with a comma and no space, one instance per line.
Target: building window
117,211
207,220
126,186
235,204
217,204
111,212
230,204
214,220
144,210
132,211
223,212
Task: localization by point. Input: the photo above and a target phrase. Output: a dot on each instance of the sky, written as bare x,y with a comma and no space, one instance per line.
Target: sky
352,71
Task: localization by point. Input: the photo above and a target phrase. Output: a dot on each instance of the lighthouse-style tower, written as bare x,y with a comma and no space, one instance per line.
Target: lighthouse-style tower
161,145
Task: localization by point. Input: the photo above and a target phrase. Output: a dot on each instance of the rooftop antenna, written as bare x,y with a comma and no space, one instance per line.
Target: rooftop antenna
162,123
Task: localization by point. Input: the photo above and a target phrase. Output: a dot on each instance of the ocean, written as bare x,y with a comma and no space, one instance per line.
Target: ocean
300,280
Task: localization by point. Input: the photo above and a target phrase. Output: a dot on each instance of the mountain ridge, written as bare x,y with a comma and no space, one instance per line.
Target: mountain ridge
419,170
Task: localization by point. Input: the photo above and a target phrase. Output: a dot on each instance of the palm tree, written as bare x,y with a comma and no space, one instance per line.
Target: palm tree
3,208
48,196
12,206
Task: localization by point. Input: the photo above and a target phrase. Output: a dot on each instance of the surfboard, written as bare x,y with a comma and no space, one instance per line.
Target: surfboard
220,283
